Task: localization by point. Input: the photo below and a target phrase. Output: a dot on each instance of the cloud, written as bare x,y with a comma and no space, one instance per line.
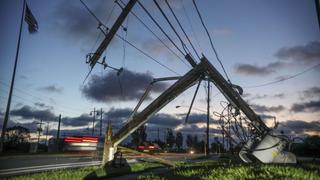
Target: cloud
311,106
166,120
298,126
81,120
196,118
72,20
249,69
263,96
52,89
194,129
117,116
23,77
28,112
263,109
106,88
43,105
306,54
313,92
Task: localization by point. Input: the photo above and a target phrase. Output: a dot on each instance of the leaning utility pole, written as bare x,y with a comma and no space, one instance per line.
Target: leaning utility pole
109,36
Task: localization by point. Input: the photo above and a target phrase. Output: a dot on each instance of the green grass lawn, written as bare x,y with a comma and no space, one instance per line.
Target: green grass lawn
225,169
92,172
228,170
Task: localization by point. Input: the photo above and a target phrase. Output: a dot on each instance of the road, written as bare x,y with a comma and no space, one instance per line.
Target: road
22,164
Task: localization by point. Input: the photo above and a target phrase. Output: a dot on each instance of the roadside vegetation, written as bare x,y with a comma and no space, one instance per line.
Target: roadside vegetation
93,172
228,170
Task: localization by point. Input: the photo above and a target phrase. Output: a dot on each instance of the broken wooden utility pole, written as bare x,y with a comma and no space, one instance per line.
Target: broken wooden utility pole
109,36
107,143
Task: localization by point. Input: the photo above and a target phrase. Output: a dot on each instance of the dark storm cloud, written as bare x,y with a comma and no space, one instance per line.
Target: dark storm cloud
311,106
266,116
298,126
117,116
28,112
106,88
81,120
71,132
73,20
165,120
308,53
249,69
313,92
51,88
263,109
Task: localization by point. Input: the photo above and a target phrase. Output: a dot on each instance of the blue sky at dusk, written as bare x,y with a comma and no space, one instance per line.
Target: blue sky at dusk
257,41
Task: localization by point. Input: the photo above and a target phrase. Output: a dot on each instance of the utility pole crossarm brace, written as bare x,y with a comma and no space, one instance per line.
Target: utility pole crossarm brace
167,96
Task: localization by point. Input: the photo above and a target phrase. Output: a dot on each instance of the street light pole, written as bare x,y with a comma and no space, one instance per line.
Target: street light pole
47,133
100,122
208,118
94,118
39,132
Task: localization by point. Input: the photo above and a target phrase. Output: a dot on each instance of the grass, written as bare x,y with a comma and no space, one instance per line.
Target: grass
93,172
228,170
224,169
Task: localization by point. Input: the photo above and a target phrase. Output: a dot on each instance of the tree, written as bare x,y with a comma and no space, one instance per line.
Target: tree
189,141
139,136
179,140
170,138
17,134
16,138
309,147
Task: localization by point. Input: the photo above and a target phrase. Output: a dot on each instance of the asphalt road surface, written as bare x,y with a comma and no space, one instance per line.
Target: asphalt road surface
22,164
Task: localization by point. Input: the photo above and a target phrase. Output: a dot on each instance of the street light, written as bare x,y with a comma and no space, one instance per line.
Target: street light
94,113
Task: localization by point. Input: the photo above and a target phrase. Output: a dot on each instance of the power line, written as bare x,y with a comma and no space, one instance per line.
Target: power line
211,43
144,53
175,17
161,29
150,30
172,27
89,10
129,42
284,79
108,18
190,23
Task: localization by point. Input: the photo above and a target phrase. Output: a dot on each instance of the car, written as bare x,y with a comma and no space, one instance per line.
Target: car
79,144
149,147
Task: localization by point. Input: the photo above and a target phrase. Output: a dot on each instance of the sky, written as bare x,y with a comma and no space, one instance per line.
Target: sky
257,41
